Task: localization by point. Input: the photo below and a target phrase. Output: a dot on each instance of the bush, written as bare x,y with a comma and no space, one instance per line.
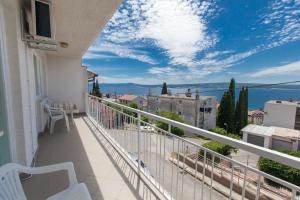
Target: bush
279,170
222,131
173,116
218,147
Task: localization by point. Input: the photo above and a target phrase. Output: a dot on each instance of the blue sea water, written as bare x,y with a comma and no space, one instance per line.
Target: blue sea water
257,96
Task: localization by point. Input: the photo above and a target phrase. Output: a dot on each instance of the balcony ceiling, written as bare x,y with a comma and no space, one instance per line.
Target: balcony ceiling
79,22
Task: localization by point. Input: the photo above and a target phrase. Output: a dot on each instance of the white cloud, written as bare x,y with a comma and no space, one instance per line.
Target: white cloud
282,22
90,55
214,54
289,69
122,51
178,27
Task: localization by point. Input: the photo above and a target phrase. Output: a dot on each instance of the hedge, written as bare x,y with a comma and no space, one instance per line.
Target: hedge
173,116
279,170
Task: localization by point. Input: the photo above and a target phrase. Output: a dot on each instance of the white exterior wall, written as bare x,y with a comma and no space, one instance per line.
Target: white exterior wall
19,87
279,114
66,80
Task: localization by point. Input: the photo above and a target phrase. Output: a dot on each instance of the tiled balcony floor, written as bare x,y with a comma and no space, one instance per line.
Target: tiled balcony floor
93,165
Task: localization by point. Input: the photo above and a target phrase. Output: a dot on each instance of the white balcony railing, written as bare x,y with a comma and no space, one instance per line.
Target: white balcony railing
175,166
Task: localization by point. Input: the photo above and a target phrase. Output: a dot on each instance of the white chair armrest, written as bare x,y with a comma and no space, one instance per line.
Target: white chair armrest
52,168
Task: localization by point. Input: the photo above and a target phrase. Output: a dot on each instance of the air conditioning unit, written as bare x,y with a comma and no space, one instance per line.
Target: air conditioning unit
38,25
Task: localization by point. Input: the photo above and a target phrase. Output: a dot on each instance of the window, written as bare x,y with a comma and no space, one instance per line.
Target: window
37,75
180,101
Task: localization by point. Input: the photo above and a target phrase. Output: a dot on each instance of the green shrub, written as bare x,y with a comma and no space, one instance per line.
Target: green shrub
279,170
222,131
219,147
173,116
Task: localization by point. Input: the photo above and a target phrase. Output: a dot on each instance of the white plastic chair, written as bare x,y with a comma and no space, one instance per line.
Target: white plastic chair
56,114
11,187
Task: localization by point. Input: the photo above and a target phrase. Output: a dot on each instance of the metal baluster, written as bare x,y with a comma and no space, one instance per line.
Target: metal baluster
177,168
293,194
172,165
139,145
183,167
244,184
212,175
231,180
196,171
203,173
159,169
258,187
156,154
164,160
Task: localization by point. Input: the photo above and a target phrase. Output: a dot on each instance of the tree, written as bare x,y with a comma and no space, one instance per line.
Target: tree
173,116
232,90
164,89
96,89
241,112
226,114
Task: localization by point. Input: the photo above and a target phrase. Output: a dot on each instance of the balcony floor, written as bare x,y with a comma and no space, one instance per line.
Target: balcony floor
93,165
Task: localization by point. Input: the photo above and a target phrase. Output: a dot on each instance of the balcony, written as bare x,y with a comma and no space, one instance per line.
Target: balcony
120,156
96,164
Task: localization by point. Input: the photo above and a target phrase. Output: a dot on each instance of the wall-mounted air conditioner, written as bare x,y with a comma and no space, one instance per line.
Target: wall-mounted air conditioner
38,25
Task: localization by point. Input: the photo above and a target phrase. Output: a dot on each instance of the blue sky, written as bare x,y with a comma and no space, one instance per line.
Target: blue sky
189,41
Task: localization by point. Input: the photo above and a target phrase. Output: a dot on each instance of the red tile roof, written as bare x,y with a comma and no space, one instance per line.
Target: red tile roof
127,97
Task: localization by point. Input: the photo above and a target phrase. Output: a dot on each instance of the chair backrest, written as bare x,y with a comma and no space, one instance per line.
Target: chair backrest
47,107
10,184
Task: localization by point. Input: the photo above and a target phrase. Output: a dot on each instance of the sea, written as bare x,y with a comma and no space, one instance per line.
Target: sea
258,93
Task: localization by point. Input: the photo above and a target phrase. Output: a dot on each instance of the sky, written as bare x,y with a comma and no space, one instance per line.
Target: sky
192,41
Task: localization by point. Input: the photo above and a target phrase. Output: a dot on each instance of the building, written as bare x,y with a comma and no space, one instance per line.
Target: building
256,117
128,99
282,114
272,137
42,60
196,111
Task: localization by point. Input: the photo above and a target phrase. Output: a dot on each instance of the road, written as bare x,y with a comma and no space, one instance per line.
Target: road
155,151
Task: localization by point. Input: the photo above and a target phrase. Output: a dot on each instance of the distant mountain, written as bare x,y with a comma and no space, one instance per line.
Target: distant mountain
204,85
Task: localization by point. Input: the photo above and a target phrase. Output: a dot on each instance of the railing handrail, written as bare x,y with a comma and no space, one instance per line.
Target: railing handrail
264,152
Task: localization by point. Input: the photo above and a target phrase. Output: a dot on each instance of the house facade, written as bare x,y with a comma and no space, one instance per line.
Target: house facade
284,114
199,111
38,63
256,117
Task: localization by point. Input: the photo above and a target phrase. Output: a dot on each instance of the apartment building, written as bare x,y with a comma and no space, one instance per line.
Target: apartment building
284,114
199,111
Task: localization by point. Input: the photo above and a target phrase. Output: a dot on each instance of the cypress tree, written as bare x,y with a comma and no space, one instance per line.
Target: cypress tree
93,89
241,112
225,114
239,119
232,90
246,106
164,89
97,89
